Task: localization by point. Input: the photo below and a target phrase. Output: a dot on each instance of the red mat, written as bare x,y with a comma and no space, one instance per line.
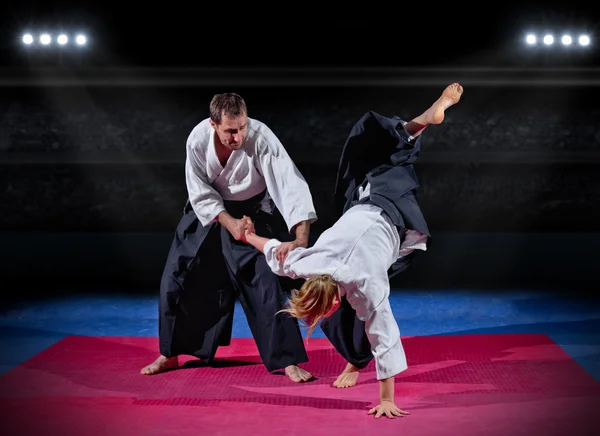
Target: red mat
455,385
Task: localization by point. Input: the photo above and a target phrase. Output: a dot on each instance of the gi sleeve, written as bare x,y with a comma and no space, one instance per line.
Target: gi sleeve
287,268
286,185
205,200
384,336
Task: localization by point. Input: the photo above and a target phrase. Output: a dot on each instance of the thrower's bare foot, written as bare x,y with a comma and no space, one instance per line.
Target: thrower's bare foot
159,365
348,377
297,374
450,96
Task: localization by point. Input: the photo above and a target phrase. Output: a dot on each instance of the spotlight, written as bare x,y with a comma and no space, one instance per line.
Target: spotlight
566,40
45,39
584,40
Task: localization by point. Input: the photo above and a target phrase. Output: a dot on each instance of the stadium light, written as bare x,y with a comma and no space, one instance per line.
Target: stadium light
584,40
548,39
46,38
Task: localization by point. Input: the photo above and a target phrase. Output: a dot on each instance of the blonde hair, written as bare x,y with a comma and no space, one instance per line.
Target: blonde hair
314,300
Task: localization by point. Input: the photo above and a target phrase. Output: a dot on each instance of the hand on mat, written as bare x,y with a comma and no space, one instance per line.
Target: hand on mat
284,248
388,409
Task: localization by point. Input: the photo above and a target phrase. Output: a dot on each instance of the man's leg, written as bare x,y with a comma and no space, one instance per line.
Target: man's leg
196,299
277,335
435,113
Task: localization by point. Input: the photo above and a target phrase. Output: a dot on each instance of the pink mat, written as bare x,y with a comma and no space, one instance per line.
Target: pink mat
455,385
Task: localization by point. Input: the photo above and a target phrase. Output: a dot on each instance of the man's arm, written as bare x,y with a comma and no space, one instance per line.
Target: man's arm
286,185
205,200
302,231
236,227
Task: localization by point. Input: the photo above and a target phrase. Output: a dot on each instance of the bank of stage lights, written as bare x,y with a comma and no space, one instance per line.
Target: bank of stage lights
549,40
48,39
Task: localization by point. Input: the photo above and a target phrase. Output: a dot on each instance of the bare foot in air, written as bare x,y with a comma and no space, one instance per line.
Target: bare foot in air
435,114
348,377
159,365
297,374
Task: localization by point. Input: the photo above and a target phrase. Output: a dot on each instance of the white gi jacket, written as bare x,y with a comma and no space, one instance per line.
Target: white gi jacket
261,163
357,252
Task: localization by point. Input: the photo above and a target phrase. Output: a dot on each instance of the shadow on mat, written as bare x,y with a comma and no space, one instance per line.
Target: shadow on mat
218,363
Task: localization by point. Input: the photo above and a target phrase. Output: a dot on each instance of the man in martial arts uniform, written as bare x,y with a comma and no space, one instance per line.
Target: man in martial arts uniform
235,166
348,268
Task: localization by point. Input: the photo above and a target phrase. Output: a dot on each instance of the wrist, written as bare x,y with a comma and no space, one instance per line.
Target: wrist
301,242
224,218
386,390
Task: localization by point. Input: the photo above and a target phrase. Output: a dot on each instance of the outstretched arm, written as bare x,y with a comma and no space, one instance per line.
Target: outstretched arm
251,237
256,241
384,336
268,247
386,404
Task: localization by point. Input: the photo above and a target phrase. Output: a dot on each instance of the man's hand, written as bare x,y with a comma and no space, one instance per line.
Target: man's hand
238,230
387,408
284,248
237,227
249,226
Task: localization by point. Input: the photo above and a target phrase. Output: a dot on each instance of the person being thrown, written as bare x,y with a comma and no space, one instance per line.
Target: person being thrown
347,271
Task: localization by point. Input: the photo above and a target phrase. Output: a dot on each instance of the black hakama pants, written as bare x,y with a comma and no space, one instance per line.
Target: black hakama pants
206,271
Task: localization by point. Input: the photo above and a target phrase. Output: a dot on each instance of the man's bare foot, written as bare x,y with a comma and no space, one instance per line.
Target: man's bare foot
348,377
297,374
435,114
159,365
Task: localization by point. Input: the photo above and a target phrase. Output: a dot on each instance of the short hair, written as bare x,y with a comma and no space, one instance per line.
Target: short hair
229,104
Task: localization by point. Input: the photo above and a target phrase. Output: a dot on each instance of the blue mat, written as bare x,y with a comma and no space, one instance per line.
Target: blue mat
572,323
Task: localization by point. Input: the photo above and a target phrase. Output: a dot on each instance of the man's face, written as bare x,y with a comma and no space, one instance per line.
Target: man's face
232,131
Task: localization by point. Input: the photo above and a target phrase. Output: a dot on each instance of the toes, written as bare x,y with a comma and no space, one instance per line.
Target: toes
293,375
148,370
306,375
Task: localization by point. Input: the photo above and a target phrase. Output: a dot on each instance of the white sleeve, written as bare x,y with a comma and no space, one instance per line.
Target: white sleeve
287,267
286,185
205,200
384,336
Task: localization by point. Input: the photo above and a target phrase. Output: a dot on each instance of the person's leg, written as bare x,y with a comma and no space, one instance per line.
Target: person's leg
277,335
196,299
347,334
435,113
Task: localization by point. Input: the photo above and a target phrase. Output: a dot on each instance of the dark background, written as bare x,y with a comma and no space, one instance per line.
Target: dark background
92,143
